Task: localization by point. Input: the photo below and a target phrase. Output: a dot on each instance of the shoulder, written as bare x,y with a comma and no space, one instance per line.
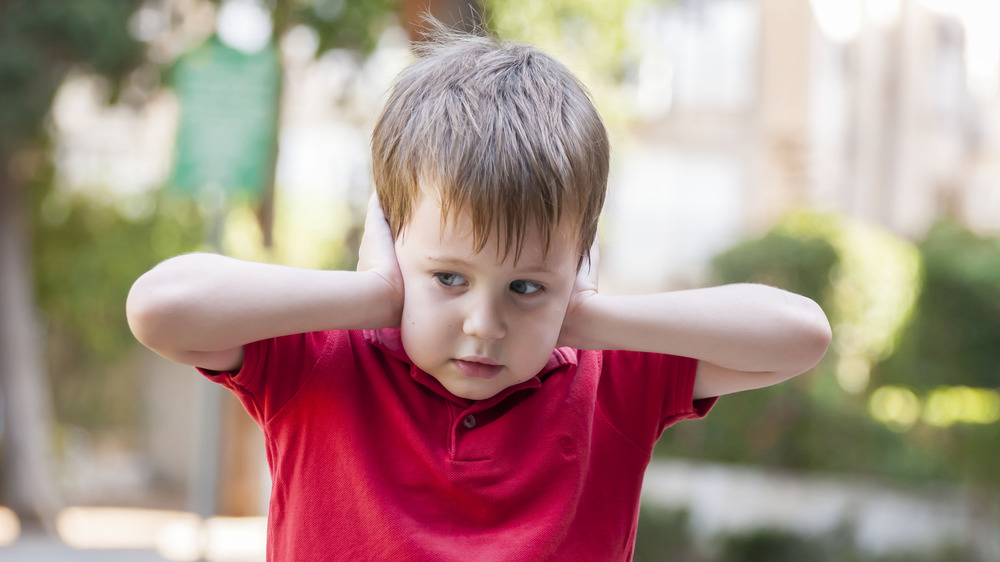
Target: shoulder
645,363
636,366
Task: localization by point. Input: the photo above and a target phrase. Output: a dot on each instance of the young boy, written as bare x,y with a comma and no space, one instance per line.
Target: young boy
467,394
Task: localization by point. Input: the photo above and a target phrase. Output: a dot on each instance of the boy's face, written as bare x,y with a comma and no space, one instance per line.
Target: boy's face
475,322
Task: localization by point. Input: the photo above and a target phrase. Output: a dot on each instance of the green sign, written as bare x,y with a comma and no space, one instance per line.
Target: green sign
228,125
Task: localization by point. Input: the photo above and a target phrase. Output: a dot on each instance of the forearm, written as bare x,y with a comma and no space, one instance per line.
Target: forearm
206,303
751,328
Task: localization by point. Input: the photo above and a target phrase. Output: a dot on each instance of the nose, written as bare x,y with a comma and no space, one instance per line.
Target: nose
484,320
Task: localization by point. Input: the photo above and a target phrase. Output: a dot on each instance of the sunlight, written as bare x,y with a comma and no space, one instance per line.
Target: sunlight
875,290
236,538
242,237
839,20
114,527
895,406
948,405
244,25
982,48
883,13
175,535
982,43
899,408
180,540
853,374
10,526
220,539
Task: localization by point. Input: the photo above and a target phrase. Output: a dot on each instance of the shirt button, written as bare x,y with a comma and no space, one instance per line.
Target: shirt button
469,421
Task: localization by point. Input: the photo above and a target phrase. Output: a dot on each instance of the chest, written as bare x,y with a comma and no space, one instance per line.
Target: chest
389,453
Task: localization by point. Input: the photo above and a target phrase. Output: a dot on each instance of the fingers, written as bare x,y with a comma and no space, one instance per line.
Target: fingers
377,247
374,207
376,225
375,217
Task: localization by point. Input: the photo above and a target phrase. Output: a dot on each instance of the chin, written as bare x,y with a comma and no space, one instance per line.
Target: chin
471,392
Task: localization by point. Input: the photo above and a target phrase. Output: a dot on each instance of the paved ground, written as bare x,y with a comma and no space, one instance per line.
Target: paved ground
42,549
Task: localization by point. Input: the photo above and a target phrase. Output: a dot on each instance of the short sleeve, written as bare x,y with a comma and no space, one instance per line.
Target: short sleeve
273,370
642,394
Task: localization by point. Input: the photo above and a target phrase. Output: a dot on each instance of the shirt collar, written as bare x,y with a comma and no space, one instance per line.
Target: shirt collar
390,341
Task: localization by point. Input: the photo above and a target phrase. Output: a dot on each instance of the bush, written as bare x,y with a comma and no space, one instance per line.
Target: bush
923,318
663,534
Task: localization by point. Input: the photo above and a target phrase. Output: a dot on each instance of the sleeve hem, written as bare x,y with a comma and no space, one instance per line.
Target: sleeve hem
241,378
684,406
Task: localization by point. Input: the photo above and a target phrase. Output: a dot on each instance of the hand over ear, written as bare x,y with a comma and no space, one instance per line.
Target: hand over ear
378,251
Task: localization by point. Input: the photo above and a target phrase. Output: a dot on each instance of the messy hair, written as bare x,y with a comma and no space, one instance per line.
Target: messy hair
498,129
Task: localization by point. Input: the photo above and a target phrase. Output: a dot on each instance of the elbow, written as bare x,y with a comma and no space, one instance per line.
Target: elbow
142,309
157,300
814,335
147,309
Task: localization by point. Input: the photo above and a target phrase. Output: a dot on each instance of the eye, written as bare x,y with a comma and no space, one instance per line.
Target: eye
450,279
523,287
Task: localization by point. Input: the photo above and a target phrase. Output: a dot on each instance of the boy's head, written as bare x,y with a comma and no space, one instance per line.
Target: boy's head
497,129
491,167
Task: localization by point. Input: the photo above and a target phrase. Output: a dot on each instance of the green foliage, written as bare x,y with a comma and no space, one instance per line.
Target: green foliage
664,535
589,36
86,255
773,426
338,24
954,337
787,427
771,545
838,545
919,317
344,24
573,27
86,252
801,264
40,40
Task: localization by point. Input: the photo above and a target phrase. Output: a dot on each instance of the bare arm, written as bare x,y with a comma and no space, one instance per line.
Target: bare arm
745,336
200,309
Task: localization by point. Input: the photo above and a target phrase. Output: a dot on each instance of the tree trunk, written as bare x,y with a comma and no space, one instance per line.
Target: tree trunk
28,485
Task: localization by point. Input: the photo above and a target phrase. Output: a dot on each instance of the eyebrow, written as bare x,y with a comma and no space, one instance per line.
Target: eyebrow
527,270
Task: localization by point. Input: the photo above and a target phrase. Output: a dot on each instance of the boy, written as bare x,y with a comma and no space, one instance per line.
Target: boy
467,394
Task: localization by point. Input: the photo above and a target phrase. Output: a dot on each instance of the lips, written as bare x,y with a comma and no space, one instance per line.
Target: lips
478,367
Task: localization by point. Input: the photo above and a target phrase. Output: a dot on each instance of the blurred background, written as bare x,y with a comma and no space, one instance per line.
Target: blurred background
848,150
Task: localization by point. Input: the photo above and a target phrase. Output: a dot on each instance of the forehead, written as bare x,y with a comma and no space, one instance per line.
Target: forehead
452,237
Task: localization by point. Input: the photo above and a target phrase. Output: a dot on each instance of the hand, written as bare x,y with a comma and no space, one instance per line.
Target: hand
584,288
378,252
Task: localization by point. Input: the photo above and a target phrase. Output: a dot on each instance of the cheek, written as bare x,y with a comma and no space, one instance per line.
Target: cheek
557,308
415,311
542,328
425,311
414,293
549,322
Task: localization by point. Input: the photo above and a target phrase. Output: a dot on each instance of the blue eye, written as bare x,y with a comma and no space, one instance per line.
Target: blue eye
450,279
523,287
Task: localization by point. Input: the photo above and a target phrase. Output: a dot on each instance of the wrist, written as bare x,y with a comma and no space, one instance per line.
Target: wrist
579,325
387,300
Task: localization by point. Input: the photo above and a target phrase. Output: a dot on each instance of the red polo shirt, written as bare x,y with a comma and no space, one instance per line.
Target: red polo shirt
372,459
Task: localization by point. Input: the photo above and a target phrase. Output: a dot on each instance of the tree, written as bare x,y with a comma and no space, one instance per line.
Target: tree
952,338
40,41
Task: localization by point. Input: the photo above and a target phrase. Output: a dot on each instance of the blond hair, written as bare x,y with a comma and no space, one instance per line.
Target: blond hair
501,130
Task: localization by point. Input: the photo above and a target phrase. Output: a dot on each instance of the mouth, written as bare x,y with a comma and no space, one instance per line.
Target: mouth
478,367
